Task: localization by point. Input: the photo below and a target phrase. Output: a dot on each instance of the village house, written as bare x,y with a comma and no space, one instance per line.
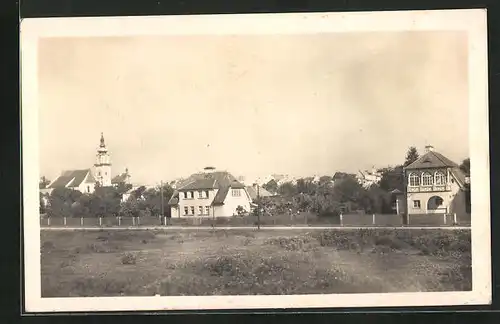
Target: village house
85,180
434,185
210,193
257,191
368,178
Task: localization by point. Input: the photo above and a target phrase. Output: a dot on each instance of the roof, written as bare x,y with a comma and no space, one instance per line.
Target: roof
459,175
252,191
221,180
71,179
342,175
432,159
120,178
220,196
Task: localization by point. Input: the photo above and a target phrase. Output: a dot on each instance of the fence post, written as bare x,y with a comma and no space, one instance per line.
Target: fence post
444,219
81,221
165,220
138,221
341,220
133,221
455,218
64,220
373,219
119,221
100,221
408,219
48,221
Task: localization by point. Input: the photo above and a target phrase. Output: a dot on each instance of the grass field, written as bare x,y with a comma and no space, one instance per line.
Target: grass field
218,262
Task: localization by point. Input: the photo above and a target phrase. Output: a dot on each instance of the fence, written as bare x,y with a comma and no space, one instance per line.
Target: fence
301,219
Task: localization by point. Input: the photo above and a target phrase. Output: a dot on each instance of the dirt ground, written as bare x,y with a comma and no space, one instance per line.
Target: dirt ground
250,262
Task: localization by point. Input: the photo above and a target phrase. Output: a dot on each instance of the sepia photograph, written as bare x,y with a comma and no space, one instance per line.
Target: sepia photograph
255,161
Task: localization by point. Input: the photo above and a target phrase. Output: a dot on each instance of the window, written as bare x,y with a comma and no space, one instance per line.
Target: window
192,210
99,173
200,210
236,192
191,195
207,210
105,173
206,194
88,188
416,204
414,180
200,194
186,211
439,178
427,179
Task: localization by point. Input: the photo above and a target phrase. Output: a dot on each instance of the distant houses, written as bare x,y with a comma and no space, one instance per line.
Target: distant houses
368,178
210,193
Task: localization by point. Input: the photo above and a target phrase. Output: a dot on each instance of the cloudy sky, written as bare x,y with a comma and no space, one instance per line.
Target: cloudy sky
252,105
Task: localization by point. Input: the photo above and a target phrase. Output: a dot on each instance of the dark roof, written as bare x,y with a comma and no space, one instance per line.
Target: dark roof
76,178
211,180
220,196
120,178
198,184
431,159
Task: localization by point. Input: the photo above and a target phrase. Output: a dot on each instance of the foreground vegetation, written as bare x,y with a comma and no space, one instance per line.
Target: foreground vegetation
218,262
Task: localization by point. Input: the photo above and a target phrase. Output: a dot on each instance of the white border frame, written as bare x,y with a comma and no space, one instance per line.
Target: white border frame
471,21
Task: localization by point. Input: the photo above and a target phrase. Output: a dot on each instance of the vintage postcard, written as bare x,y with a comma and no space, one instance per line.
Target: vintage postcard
255,161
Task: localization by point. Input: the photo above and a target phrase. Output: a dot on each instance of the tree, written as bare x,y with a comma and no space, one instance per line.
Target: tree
43,183
392,178
43,206
465,166
122,187
61,200
325,180
271,186
287,189
306,186
411,156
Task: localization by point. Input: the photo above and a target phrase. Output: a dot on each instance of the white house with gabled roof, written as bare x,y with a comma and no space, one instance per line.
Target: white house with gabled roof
209,193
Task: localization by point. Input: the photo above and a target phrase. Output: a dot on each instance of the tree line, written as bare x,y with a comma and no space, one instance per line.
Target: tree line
106,201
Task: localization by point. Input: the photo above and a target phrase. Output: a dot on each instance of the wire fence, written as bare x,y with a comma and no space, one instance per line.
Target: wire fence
301,219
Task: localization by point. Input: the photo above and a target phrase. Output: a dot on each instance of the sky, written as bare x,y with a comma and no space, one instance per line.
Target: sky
253,105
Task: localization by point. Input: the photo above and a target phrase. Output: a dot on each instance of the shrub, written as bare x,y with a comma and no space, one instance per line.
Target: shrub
129,258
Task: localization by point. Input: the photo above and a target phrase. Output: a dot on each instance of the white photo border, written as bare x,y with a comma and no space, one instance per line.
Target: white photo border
472,21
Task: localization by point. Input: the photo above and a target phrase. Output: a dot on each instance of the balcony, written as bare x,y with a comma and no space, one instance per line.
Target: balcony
434,188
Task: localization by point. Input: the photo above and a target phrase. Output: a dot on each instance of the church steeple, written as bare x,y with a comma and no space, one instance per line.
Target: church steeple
102,140
103,164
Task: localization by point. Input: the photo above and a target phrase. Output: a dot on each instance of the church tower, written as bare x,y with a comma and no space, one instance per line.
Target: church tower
103,165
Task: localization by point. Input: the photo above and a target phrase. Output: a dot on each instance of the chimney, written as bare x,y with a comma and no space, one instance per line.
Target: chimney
429,148
209,170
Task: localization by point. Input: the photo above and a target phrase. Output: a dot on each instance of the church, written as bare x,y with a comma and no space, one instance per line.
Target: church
85,180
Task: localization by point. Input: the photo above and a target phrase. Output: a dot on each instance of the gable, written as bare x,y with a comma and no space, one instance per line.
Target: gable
431,159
